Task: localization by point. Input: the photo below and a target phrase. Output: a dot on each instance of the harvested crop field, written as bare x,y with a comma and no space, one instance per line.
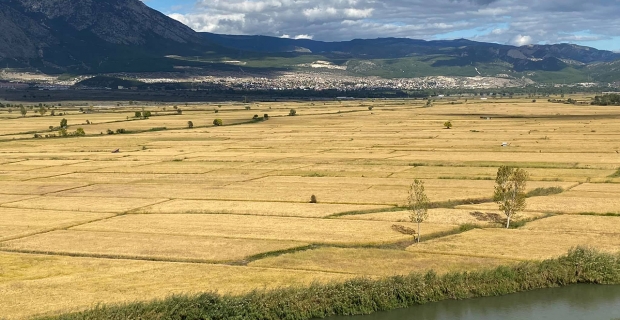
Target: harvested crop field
164,209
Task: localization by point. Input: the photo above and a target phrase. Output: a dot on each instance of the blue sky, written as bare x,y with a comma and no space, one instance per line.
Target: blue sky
594,23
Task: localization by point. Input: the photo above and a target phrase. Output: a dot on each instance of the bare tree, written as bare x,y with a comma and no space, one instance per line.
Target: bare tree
418,204
510,191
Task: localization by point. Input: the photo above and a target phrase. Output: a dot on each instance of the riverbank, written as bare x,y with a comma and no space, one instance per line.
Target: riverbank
364,296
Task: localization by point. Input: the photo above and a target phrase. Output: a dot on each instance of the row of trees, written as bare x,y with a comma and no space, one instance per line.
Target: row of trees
607,100
509,194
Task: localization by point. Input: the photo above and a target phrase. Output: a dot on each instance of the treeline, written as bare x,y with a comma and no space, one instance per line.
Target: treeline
364,296
607,100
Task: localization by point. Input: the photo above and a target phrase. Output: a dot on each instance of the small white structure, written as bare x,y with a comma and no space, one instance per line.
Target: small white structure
505,144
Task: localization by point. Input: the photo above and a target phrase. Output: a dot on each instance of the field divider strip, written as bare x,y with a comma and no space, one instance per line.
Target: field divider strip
68,189
232,200
47,177
132,211
48,209
110,256
136,166
5,203
48,230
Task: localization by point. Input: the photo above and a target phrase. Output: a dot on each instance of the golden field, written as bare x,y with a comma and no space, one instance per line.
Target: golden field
227,209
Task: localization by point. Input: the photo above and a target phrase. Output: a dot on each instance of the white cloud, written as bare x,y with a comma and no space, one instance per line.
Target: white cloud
517,22
521,40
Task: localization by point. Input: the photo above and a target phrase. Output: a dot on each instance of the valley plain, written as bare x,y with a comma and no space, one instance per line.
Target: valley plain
181,210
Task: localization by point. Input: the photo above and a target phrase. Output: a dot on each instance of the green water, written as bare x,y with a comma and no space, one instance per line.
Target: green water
577,302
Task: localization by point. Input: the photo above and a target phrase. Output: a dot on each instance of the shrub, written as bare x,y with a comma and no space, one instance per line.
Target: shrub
541,192
63,132
370,108
190,124
255,117
248,108
266,116
179,111
146,114
292,113
615,174
37,136
120,131
218,122
79,132
216,111
313,199
110,131
51,128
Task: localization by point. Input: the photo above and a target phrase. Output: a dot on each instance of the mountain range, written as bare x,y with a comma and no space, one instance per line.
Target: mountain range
105,36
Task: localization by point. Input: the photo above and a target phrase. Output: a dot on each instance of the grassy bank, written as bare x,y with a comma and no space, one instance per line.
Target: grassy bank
363,296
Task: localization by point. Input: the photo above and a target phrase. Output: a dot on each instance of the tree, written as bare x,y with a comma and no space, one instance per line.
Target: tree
42,110
22,110
63,123
292,113
510,191
79,132
217,122
447,124
190,124
138,114
418,204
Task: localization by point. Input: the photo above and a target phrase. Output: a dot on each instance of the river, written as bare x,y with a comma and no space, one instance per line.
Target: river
576,302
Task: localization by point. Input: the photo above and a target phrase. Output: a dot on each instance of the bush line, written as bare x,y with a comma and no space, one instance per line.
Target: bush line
364,296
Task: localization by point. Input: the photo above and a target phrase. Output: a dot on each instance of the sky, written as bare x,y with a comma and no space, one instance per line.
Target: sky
592,23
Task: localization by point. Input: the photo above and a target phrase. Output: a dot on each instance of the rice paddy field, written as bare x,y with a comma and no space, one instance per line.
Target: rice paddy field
165,209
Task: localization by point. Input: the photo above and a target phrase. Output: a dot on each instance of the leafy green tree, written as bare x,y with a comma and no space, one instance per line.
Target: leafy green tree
447,124
79,132
418,204
510,191
217,122
138,114
63,123
23,110
42,110
190,124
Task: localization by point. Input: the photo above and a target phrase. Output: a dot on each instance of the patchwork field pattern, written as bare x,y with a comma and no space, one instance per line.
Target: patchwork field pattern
165,209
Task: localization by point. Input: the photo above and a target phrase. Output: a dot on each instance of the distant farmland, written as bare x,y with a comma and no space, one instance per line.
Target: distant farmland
227,208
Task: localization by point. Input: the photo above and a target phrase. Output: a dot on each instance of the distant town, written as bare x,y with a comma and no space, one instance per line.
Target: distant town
311,81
